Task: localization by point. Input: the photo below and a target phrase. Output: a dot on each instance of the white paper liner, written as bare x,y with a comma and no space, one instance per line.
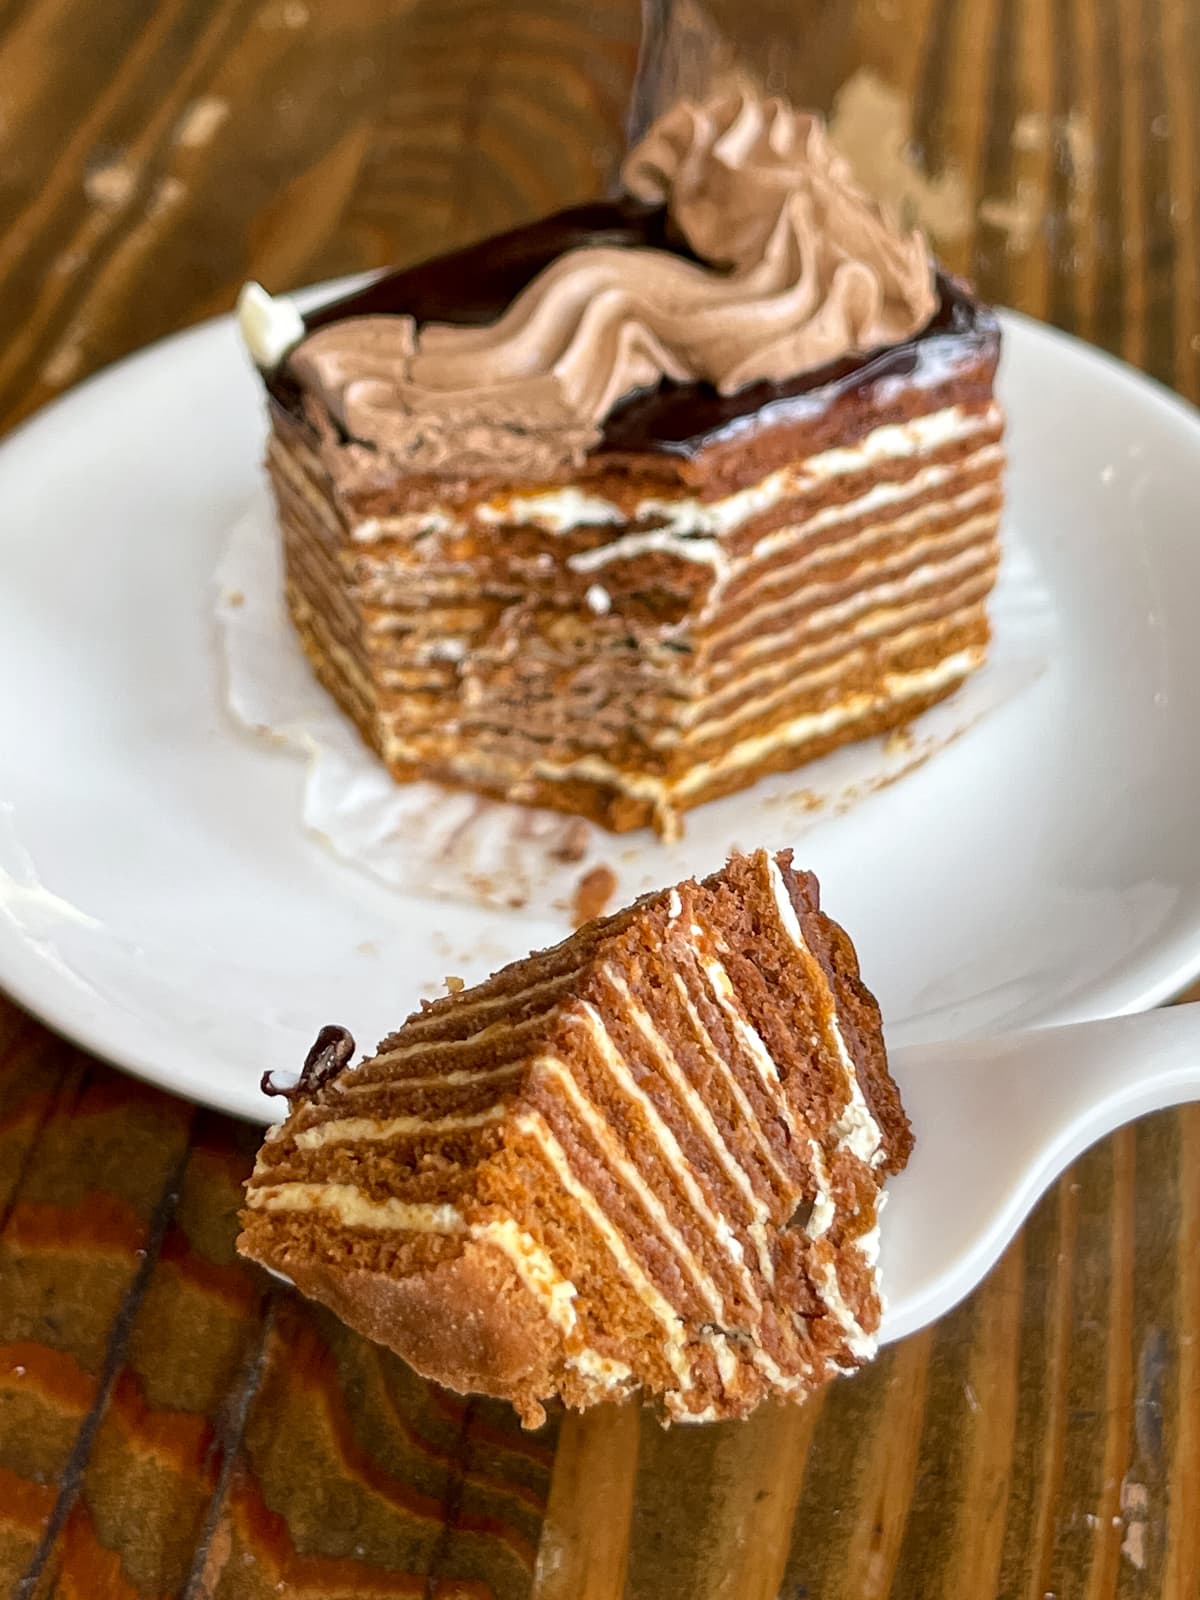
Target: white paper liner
427,840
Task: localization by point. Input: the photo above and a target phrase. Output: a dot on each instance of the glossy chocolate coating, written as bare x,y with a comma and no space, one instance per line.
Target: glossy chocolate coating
474,286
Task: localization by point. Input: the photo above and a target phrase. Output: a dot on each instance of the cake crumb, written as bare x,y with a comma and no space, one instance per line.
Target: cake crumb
62,365
367,948
899,741
235,600
109,181
200,121
455,985
572,842
593,892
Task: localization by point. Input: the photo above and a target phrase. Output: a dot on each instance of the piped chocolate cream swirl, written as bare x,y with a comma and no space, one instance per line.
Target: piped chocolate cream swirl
783,267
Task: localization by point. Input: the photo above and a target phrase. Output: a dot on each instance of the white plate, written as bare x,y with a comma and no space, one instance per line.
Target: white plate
161,903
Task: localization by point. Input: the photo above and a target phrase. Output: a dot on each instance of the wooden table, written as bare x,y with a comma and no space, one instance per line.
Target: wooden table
172,1425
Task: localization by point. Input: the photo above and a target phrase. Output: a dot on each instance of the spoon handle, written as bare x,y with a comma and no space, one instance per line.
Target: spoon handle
996,1121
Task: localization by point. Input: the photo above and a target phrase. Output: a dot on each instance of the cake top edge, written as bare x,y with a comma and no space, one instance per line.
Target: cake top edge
742,256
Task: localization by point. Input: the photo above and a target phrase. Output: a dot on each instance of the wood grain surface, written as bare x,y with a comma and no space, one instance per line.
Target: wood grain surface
173,1425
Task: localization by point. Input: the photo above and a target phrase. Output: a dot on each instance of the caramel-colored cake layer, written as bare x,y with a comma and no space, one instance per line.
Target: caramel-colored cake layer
627,648
650,1158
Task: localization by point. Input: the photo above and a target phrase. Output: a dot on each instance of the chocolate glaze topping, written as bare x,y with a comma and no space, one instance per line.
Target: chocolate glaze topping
473,286
332,1050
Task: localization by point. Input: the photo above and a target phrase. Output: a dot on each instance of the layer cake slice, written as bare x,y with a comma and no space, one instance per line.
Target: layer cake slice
650,1159
621,510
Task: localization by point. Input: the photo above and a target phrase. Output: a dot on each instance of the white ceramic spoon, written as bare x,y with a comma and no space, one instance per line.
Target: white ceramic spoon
996,1121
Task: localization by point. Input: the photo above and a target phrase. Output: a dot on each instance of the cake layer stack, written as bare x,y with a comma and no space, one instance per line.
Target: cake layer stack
669,626
650,1158
623,509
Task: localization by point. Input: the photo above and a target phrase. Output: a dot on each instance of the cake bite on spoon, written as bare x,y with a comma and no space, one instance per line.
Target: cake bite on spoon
652,1160
648,1159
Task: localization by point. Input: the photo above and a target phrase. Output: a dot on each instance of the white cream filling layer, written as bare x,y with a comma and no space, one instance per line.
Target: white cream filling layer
552,510
701,1117
718,1061
929,549
856,1129
665,794
890,493
880,590
535,1269
627,1083
408,525
693,529
532,1264
633,1180
501,1000
435,606
674,1157
786,661
597,1123
897,687
674,1342
367,1130
707,552
745,1031
437,1080
711,552
757,1223
353,1209
779,682
823,1209
859,1342
605,1370
561,510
